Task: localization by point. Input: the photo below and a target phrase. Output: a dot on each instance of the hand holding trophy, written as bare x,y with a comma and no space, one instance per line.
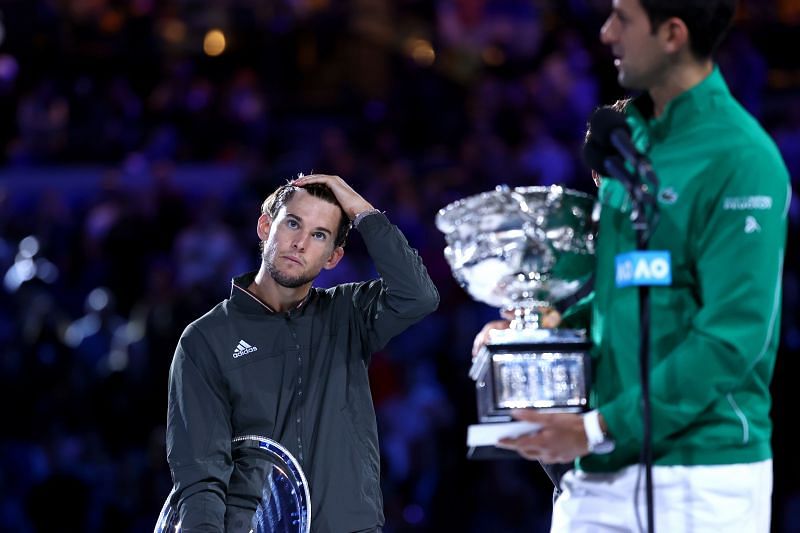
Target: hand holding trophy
523,250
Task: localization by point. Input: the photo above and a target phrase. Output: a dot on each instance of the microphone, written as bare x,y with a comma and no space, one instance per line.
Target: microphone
606,161
607,149
609,129
594,155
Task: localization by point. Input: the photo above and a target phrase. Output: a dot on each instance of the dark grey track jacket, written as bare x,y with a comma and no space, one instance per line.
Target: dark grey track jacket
305,386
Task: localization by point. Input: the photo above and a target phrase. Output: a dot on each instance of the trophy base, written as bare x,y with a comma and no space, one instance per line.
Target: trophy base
542,369
490,434
482,439
490,453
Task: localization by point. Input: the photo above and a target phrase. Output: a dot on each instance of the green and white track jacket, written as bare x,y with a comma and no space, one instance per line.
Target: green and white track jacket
723,200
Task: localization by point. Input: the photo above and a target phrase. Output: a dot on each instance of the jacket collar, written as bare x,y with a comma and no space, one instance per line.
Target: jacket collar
244,299
681,109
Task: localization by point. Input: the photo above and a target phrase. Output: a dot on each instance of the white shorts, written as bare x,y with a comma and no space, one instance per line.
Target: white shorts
688,499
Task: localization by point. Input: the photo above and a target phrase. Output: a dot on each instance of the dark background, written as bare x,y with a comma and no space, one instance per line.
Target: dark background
132,169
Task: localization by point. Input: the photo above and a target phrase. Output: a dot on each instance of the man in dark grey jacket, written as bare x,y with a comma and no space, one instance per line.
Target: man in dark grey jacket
288,361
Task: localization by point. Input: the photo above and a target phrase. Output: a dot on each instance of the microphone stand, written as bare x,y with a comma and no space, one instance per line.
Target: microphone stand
644,216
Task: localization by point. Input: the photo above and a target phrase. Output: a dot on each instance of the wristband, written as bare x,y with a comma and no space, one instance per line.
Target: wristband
599,441
359,217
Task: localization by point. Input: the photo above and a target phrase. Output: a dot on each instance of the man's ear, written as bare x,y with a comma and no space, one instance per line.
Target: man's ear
262,228
675,35
333,260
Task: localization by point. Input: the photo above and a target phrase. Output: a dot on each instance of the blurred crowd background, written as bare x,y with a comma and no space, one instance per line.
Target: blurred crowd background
137,140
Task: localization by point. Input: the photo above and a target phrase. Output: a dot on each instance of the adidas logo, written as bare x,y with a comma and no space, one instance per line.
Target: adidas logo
243,349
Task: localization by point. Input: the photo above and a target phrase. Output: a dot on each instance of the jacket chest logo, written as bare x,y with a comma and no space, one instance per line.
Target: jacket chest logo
668,196
243,349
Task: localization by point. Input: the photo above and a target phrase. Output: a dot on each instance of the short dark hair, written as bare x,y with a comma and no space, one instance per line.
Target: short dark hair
284,193
707,20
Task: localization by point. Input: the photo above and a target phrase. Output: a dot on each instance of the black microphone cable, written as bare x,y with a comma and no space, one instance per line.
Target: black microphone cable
608,150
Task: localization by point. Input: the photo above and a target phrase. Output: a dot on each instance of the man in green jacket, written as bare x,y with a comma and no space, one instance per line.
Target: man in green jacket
723,200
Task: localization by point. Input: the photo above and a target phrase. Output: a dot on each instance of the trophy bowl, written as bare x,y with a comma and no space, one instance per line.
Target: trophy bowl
524,249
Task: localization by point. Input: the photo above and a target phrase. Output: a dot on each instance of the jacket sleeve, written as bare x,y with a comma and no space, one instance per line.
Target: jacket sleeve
198,435
403,295
732,340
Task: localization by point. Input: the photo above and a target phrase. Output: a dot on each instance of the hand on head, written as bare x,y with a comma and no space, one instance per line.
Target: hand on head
352,202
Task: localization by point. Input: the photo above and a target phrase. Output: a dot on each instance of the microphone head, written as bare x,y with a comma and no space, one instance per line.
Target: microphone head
602,123
594,155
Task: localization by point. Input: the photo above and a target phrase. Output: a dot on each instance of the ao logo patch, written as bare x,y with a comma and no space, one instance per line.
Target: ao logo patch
643,268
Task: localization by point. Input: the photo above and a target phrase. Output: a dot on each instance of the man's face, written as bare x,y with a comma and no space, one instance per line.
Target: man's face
639,54
299,242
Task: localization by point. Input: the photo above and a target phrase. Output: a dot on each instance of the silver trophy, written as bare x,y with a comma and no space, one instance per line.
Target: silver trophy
270,492
524,250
